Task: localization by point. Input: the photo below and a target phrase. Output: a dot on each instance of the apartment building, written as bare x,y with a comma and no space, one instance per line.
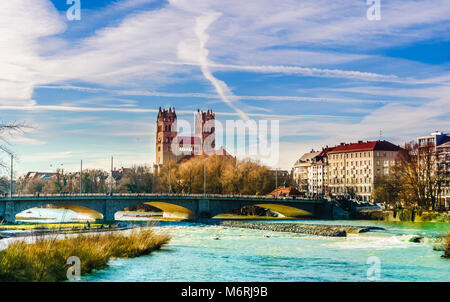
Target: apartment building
354,167
435,139
300,170
318,173
441,143
444,160
310,172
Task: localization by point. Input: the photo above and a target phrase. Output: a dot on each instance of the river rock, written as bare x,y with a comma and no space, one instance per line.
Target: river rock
416,239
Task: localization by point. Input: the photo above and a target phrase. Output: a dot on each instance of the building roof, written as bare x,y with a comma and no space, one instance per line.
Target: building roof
366,146
38,175
325,151
307,157
285,191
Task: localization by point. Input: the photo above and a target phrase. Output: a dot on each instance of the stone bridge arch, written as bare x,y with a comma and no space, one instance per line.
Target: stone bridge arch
13,209
292,209
169,210
287,211
172,208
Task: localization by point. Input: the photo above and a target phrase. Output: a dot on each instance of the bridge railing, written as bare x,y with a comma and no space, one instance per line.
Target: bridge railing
171,195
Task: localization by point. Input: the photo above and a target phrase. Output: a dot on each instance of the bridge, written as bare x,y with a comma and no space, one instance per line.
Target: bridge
188,206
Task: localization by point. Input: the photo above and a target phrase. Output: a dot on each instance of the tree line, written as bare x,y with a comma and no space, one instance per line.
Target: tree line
216,174
223,175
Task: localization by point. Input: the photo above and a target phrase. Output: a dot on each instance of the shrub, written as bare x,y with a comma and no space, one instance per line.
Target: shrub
447,247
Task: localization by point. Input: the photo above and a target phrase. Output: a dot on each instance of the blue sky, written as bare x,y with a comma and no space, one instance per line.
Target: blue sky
91,88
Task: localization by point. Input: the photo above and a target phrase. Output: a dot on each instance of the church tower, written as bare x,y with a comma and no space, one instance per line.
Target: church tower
205,130
166,126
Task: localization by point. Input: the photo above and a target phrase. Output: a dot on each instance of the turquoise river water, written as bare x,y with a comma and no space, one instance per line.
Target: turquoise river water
199,252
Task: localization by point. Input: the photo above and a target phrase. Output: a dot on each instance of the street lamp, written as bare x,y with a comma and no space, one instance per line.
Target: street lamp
276,183
204,177
170,180
81,176
112,177
12,174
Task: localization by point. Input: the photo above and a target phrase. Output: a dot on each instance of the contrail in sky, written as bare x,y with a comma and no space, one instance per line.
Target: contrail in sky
202,23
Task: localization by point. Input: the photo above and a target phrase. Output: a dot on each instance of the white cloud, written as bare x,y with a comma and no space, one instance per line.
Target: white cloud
22,24
275,98
24,140
243,38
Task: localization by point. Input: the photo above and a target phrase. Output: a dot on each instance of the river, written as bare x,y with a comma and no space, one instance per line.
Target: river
200,252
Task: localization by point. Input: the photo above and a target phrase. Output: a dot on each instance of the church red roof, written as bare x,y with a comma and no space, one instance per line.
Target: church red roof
191,140
365,146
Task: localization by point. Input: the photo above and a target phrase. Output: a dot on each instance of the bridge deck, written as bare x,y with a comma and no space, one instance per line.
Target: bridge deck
60,197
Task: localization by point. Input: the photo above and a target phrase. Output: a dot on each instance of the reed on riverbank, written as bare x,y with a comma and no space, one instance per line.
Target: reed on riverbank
45,259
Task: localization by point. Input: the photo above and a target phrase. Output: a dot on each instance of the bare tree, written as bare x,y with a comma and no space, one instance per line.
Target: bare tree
8,129
419,176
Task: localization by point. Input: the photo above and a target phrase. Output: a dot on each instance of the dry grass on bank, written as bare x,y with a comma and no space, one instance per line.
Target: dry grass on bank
45,226
45,259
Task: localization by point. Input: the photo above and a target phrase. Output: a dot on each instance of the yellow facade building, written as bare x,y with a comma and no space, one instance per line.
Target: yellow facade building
354,168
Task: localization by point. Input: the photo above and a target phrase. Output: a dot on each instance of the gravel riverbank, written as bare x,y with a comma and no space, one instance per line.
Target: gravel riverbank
310,229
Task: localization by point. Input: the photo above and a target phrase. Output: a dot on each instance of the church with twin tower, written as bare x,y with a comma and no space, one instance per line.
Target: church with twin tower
203,141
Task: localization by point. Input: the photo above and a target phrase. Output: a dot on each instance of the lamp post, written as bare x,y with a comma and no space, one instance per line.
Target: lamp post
204,177
11,180
276,183
170,179
112,178
81,177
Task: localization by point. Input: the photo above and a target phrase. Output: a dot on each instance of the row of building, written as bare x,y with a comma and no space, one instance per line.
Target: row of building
354,167
117,175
